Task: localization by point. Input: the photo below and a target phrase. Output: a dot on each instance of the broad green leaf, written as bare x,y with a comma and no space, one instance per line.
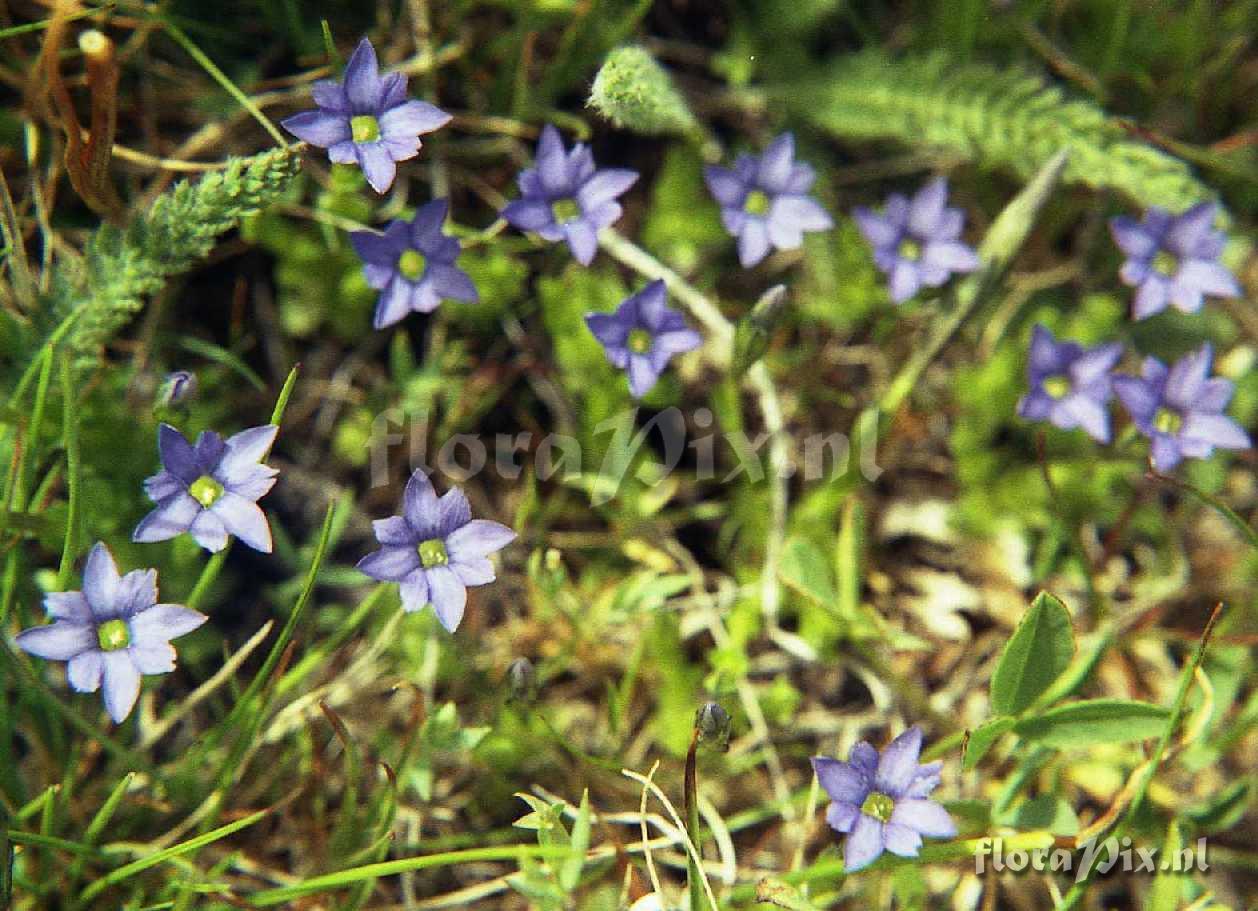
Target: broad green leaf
1043,812
1034,657
1093,721
804,568
982,738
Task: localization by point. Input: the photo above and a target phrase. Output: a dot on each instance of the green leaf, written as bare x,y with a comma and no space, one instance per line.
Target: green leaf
1224,809
1093,721
1046,811
570,870
1168,886
805,569
1036,654
982,738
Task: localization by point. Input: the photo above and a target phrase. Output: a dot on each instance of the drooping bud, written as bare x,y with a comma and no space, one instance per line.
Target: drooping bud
713,724
522,680
636,93
752,334
178,387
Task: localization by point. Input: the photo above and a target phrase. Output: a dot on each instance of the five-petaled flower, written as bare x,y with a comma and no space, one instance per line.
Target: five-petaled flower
111,632
1180,409
880,802
367,119
764,200
1172,259
917,241
1070,384
412,265
210,489
435,549
643,335
565,197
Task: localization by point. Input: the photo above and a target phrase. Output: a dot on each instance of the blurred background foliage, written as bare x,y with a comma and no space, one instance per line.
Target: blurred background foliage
899,591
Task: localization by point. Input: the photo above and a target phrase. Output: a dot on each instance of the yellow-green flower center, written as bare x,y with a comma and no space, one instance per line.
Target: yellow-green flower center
1057,386
879,806
113,635
433,553
910,249
205,490
364,128
639,341
564,210
1168,421
412,264
756,203
1166,263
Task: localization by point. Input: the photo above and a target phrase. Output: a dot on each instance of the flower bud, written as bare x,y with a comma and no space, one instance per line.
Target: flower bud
522,680
178,387
713,723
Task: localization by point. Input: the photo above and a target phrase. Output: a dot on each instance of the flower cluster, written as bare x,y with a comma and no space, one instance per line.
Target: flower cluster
114,631
1179,409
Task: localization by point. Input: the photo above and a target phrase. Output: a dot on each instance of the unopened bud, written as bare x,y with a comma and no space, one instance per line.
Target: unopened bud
178,387
713,723
522,680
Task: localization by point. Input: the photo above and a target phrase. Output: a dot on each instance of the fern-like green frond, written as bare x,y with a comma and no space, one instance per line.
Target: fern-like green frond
997,118
122,266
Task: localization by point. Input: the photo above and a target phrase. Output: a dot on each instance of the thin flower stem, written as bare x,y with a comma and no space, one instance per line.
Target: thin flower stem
70,432
758,378
221,78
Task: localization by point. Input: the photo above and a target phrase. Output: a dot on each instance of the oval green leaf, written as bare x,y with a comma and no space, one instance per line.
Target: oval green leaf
1034,656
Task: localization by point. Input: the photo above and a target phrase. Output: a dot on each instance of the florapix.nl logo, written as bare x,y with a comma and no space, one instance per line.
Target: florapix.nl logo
1110,855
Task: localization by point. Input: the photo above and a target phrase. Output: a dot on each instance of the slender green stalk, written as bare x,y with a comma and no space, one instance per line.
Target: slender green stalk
1246,530
1079,889
157,857
344,878
221,78
74,471
694,883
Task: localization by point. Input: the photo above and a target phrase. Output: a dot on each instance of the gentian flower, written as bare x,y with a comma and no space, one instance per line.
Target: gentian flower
643,335
1172,259
1070,384
1180,409
210,489
916,242
764,200
880,802
111,632
566,197
412,264
367,119
435,549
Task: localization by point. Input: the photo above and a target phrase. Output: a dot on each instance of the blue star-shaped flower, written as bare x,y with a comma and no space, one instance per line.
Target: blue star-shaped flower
412,264
643,335
565,197
111,632
764,200
367,119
